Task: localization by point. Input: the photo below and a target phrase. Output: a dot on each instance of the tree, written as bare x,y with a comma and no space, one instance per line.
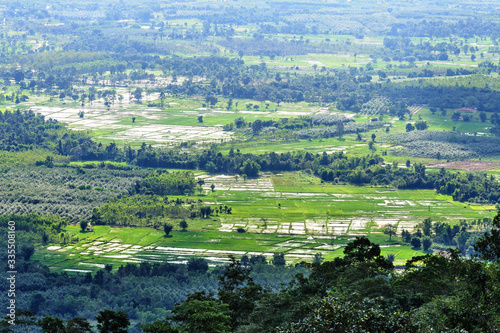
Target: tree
279,259
427,226
51,325
318,258
347,314
426,243
200,119
27,251
183,224
78,325
250,168
212,187
109,321
18,76
199,265
482,117
361,249
201,182
239,291
167,228
421,125
390,230
461,240
410,127
373,137
456,116
415,242
239,122
257,126
203,315
488,245
162,99
205,211
137,94
83,225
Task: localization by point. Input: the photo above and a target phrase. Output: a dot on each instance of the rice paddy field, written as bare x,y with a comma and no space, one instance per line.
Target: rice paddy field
291,212
127,121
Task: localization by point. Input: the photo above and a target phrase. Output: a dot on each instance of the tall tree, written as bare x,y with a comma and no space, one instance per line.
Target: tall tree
390,230
109,321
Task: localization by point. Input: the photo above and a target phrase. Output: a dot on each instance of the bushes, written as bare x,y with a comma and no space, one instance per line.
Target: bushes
167,183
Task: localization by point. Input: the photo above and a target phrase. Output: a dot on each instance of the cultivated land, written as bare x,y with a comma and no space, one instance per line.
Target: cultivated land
291,212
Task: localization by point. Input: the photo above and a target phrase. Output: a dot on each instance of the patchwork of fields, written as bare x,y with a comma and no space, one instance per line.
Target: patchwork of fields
291,212
129,122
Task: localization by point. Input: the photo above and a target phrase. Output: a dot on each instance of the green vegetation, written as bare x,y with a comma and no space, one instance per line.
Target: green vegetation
142,145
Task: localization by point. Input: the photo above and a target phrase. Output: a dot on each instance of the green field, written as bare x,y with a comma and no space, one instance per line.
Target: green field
292,213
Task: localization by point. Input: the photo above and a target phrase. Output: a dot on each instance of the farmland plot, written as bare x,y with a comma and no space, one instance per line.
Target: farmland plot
291,213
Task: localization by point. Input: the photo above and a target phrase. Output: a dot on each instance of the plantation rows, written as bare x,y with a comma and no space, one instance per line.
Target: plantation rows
444,145
66,192
329,119
376,106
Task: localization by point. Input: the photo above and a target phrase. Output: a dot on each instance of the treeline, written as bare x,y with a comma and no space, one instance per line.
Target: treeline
334,166
22,131
139,210
331,167
484,99
260,46
464,187
469,28
301,122
33,228
166,183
